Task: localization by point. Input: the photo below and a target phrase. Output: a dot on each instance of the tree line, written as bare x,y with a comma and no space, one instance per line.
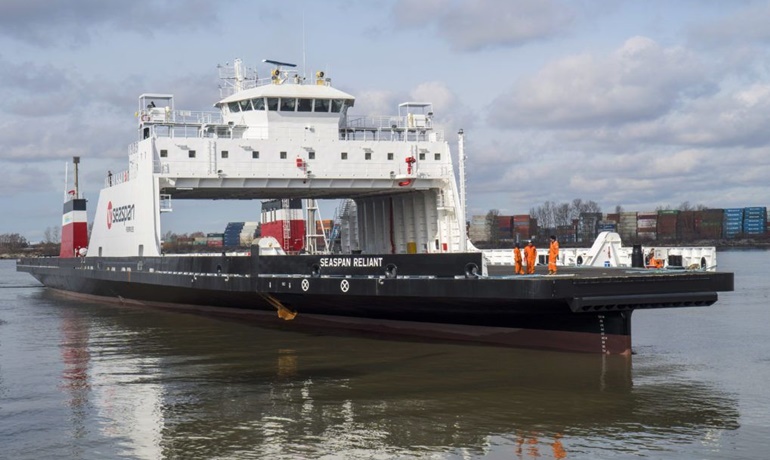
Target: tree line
14,243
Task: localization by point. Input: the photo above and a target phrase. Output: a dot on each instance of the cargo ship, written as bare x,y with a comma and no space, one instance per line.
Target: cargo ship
407,267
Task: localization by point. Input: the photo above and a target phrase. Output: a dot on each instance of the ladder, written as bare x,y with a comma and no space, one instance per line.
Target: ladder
286,243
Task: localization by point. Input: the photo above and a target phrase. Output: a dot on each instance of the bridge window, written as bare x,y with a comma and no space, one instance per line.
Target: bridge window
437,156
367,155
254,154
288,104
191,153
225,154
305,105
337,105
283,155
258,103
164,153
322,105
245,105
234,107
311,155
422,156
272,103
390,155
344,156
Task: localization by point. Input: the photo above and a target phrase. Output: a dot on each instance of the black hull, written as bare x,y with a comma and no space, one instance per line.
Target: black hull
589,311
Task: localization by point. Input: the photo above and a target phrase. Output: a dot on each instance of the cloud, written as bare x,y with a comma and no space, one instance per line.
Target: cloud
46,23
17,178
450,114
639,81
486,24
736,118
746,26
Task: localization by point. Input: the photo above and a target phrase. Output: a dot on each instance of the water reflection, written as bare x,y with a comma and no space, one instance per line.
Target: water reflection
174,385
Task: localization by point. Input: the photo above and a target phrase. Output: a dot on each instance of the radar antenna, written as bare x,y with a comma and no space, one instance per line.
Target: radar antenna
277,75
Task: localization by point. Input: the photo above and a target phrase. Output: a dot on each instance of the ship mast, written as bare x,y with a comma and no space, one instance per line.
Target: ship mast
461,167
76,162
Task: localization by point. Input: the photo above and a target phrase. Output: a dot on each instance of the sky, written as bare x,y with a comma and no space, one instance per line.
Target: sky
638,104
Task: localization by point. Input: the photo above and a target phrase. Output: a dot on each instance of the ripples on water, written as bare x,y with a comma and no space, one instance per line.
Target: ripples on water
80,380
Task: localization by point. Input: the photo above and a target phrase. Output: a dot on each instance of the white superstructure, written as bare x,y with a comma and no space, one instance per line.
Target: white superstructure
282,137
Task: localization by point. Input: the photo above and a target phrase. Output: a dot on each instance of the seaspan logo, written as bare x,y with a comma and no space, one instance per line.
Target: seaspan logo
119,214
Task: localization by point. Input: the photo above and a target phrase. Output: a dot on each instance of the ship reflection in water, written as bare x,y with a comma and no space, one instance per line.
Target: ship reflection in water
156,384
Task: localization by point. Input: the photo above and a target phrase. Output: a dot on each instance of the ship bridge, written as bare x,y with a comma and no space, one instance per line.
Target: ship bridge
284,137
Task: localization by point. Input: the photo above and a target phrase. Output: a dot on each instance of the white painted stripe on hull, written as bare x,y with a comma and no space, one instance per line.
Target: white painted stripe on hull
74,216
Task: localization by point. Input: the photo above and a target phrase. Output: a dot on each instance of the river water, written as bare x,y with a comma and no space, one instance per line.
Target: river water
89,381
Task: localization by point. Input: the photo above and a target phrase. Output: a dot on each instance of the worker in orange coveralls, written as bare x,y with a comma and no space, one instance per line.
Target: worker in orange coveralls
530,253
653,262
553,254
517,268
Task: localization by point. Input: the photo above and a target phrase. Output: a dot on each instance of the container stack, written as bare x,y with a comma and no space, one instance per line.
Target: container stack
523,227
588,226
627,225
232,234
647,226
733,222
711,224
667,225
215,240
686,225
755,220
478,230
247,234
566,233
504,227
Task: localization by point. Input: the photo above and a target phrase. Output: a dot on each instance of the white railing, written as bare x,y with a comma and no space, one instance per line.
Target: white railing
113,179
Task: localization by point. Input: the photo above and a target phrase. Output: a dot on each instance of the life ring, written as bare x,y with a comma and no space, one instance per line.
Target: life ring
145,117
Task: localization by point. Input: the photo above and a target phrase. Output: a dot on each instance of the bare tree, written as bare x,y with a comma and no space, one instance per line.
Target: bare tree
493,227
550,215
12,242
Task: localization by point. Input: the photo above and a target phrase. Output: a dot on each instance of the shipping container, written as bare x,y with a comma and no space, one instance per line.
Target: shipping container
627,225
667,225
710,230
733,213
587,226
646,235
646,221
713,214
478,231
521,232
607,226
479,220
565,233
